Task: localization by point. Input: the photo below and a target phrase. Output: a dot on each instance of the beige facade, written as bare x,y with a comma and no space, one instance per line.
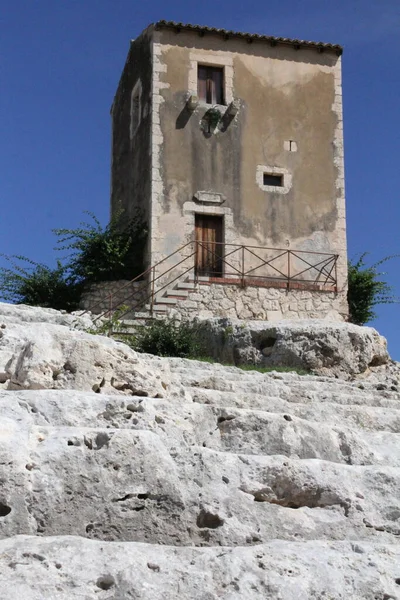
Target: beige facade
267,165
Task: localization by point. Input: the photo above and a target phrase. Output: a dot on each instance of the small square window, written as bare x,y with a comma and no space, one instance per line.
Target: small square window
273,179
210,84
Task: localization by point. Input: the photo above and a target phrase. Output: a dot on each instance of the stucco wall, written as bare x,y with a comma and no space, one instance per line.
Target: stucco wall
284,95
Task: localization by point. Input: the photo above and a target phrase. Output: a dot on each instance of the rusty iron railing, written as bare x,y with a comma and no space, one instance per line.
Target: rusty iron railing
234,264
252,263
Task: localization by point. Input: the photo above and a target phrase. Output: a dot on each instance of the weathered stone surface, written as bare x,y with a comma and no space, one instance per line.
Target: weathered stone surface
234,485
38,355
325,347
21,313
69,567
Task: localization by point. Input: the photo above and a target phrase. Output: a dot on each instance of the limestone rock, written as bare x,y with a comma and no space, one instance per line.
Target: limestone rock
22,313
67,567
234,484
38,355
325,347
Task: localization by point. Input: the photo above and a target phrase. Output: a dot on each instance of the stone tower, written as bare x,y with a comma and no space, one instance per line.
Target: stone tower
235,141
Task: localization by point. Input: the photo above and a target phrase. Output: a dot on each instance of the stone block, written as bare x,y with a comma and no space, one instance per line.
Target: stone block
274,315
188,304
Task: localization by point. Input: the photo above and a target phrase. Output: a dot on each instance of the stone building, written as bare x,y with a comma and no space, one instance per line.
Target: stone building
231,146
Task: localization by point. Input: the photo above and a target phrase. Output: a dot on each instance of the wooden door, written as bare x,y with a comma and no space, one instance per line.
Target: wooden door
209,247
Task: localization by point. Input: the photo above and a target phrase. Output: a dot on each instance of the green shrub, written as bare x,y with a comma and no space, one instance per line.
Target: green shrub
105,253
366,289
98,254
168,338
38,285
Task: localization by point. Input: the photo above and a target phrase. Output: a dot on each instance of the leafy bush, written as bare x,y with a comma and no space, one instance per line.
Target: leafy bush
366,289
98,254
168,338
104,254
39,285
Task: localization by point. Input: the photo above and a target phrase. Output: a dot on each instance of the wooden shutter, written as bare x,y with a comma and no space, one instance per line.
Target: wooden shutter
202,83
216,83
210,84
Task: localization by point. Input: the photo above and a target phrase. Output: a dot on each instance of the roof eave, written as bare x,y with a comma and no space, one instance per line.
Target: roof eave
249,37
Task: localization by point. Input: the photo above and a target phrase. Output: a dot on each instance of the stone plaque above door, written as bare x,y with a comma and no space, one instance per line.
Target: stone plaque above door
209,197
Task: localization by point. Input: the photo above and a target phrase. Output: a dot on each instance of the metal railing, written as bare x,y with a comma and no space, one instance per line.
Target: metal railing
252,263
234,264
149,275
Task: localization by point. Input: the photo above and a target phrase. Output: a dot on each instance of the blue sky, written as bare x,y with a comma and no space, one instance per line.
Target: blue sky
59,67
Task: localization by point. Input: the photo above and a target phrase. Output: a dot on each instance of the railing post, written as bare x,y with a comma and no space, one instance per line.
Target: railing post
153,276
336,285
288,269
196,262
243,266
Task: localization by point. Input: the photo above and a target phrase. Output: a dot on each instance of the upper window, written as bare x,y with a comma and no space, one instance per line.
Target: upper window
210,88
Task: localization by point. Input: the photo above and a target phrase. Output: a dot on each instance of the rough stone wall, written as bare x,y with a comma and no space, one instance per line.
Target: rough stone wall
258,303
215,300
97,297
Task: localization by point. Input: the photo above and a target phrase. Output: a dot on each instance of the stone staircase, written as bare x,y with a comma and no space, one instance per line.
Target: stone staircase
164,303
178,292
